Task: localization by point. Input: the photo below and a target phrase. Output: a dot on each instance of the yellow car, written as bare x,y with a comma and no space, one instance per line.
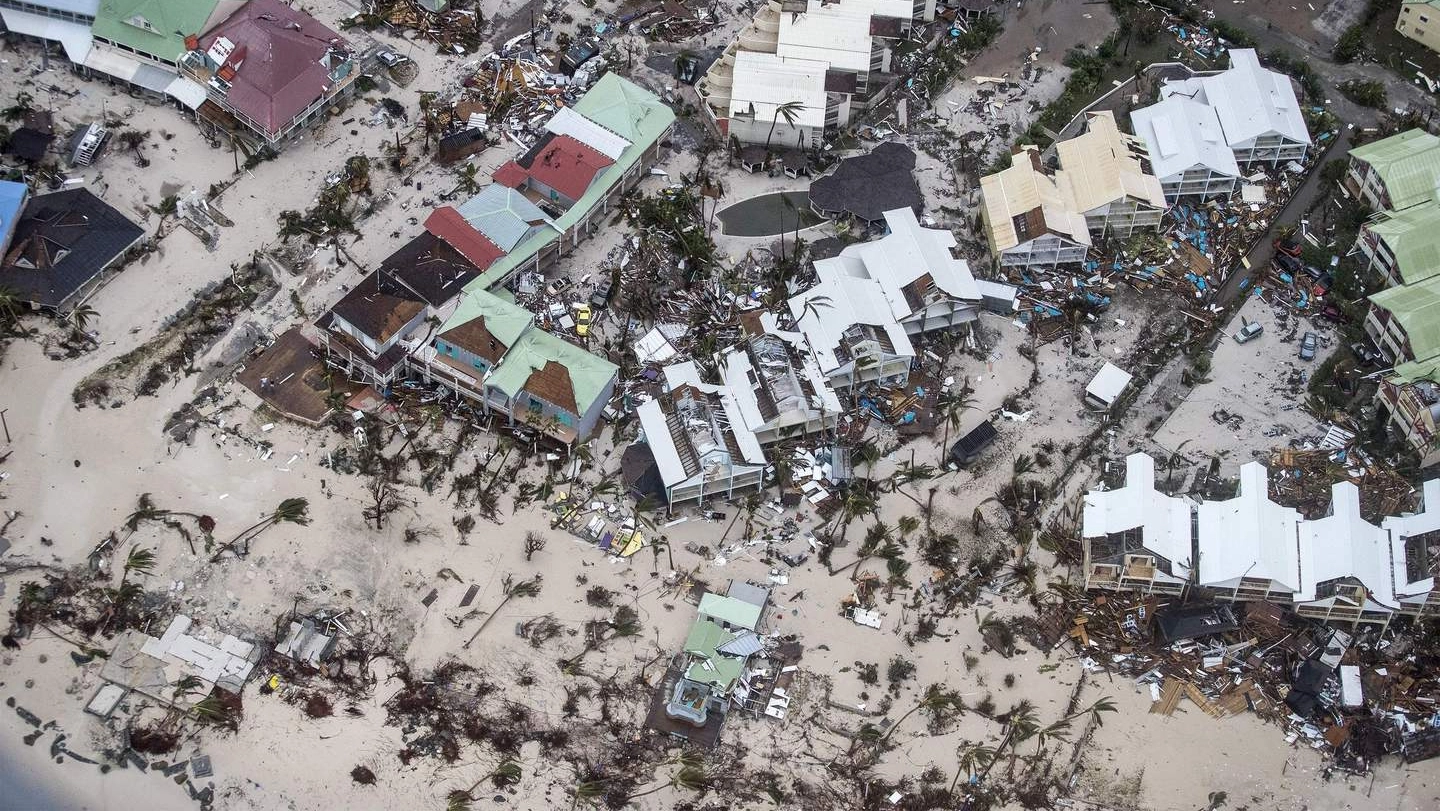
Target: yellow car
582,319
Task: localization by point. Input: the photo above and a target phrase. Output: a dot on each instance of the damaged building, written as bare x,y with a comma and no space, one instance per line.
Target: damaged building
1336,568
1103,188
803,69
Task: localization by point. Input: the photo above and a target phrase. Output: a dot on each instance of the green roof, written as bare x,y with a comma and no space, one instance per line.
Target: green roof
154,27
1413,236
730,611
503,319
711,667
624,108
1417,308
1409,163
589,374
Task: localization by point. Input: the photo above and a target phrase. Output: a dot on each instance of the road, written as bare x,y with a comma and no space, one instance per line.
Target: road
1305,196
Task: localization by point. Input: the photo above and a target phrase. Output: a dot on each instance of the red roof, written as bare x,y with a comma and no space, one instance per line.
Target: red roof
510,174
277,62
567,166
447,224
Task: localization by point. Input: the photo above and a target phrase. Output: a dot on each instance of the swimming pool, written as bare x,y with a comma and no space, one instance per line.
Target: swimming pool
768,215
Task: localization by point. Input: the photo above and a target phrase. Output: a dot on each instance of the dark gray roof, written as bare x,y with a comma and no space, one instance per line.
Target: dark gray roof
431,268
866,186
63,240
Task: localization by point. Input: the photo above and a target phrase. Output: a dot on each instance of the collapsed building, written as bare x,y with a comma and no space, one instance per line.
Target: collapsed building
1104,187
1337,568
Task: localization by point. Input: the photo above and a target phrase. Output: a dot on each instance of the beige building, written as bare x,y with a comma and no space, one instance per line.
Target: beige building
1104,187
1420,20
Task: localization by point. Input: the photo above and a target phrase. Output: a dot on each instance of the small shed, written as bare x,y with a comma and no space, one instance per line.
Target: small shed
461,145
968,448
1107,386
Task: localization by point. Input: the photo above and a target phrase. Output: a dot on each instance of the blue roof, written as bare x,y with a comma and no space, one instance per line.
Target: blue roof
12,200
502,214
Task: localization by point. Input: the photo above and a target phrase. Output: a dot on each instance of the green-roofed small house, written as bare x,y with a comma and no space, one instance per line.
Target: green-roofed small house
1404,322
1420,20
1403,246
1397,172
490,351
139,43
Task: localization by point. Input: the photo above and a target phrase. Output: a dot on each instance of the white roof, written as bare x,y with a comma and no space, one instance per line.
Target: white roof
898,9
75,37
1249,100
1406,526
907,253
739,371
654,347
1343,544
1249,535
1109,383
568,122
843,299
763,82
662,444
1181,133
832,34
1165,520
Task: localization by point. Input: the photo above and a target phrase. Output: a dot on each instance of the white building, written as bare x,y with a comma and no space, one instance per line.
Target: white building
1415,554
1137,538
1259,113
851,331
1187,149
829,58
1346,571
1248,546
778,387
1249,111
697,436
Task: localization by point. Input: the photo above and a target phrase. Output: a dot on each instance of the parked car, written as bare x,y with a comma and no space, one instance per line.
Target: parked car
1308,345
601,296
1249,332
1289,264
1333,313
583,316
1288,246
390,59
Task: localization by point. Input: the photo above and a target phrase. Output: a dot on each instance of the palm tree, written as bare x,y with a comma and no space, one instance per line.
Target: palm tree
876,538
508,773
907,524
466,180
23,106
511,590
971,758
80,318
293,510
9,305
690,776
789,111
936,698
952,406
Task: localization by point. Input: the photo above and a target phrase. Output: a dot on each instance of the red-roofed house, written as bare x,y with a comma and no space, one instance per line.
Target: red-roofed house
448,224
559,169
270,69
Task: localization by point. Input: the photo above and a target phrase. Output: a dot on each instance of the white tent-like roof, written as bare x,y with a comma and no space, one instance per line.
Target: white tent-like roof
1408,526
1181,134
1164,520
1249,536
1343,544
